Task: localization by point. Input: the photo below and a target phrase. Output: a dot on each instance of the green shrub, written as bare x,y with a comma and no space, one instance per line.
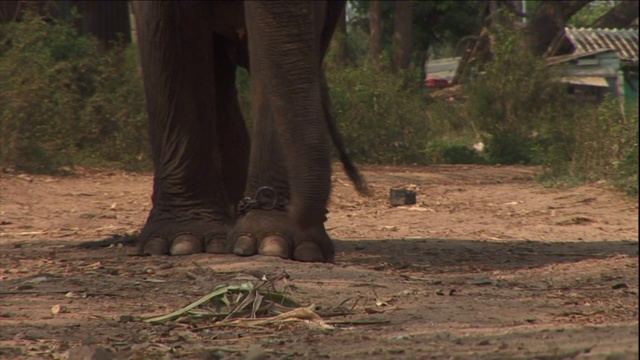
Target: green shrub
627,174
525,115
515,101
115,115
46,71
605,146
63,101
446,151
382,121
452,134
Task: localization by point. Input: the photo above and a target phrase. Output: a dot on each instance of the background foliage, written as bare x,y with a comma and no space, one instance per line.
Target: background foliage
437,25
382,120
64,101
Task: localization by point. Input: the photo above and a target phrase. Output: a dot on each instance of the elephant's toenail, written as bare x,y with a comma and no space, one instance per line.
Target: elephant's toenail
274,245
186,244
156,246
245,246
217,246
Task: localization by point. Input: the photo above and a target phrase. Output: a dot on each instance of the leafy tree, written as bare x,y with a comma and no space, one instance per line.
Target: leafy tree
619,16
547,20
590,13
436,25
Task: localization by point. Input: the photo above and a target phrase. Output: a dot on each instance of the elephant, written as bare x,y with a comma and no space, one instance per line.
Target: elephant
215,189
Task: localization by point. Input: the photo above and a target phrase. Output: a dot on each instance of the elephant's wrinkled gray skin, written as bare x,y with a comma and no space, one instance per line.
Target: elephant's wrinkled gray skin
203,162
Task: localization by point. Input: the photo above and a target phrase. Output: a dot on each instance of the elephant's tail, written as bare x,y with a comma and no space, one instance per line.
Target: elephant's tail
349,167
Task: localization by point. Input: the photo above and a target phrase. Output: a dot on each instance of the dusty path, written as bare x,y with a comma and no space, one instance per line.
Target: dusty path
488,264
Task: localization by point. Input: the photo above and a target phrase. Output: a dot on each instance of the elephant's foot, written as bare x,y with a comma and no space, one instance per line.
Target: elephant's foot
184,232
272,233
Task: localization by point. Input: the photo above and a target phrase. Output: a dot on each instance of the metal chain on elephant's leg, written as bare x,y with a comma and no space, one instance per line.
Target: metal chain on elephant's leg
266,198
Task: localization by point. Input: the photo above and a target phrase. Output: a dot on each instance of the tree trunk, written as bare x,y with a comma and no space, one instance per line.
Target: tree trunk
107,20
548,20
402,34
621,16
10,10
375,33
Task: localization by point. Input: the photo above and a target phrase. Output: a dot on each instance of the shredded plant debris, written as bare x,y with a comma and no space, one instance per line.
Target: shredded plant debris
253,303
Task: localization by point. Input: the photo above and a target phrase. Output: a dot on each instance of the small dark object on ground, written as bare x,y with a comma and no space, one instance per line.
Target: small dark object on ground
398,197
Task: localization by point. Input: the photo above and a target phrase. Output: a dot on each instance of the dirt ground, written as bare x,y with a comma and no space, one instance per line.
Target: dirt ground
488,264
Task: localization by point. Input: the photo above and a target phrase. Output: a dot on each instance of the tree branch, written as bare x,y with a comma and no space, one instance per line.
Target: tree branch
548,20
620,16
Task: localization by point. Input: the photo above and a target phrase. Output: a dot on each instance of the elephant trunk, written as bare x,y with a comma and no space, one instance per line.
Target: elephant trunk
285,54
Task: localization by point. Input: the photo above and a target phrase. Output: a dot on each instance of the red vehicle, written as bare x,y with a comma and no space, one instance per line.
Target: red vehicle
435,82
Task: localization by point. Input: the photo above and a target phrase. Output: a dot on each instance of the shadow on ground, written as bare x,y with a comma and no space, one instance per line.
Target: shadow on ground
435,254
478,255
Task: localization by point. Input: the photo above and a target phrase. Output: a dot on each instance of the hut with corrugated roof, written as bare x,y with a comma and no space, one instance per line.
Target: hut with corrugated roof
597,61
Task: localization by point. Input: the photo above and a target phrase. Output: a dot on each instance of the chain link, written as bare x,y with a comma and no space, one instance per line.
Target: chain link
266,198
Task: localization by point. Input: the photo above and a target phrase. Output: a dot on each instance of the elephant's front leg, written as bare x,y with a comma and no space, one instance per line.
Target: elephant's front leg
263,226
190,208
290,168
